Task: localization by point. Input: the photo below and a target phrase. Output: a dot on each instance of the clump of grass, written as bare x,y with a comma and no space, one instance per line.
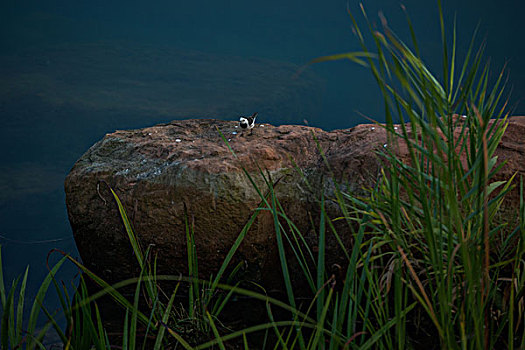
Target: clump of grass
436,212
13,332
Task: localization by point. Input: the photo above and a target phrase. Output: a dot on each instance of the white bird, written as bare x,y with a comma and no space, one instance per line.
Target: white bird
248,122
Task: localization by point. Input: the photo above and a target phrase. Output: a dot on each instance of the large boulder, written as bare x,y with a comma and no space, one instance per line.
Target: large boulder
167,172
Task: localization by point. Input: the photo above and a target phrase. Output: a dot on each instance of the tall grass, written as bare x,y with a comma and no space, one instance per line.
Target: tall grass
436,207
431,263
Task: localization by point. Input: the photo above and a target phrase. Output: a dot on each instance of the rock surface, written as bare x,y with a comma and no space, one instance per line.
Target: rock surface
161,171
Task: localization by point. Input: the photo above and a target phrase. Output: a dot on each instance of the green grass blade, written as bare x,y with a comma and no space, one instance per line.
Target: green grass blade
355,57
321,260
126,332
215,331
181,340
317,341
108,289
165,317
134,315
20,308
55,325
281,250
234,248
7,317
129,230
101,331
39,300
3,296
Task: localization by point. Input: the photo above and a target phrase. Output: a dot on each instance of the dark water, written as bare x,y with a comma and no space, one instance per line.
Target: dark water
72,71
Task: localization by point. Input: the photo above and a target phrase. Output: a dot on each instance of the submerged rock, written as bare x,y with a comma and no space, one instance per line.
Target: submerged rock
167,172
